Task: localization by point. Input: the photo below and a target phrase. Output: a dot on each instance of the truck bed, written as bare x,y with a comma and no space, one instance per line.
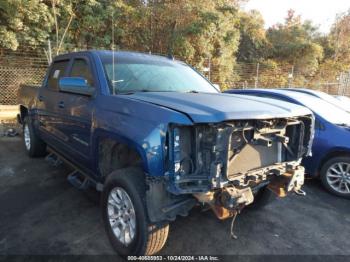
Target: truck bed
27,94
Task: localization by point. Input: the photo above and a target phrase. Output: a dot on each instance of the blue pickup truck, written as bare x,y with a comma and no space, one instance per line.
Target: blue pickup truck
156,138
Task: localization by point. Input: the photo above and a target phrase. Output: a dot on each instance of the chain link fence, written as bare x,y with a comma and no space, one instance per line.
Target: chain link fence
17,68
344,84
255,75
13,77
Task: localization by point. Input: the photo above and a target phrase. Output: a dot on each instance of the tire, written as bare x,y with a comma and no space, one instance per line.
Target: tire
331,172
33,144
148,239
262,198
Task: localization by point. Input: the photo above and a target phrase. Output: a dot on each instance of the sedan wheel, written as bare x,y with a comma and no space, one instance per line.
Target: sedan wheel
338,177
335,176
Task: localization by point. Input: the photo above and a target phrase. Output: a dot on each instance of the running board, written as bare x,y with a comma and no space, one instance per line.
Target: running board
78,180
53,159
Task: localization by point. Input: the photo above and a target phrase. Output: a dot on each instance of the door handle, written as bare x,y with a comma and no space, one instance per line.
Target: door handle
61,104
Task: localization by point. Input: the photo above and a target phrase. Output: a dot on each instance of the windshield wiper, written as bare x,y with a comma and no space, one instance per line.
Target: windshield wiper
343,124
130,92
135,91
145,91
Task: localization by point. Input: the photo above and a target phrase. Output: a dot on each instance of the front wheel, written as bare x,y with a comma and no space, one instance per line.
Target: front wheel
125,216
335,176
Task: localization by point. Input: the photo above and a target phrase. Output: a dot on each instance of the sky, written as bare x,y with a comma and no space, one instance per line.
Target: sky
321,12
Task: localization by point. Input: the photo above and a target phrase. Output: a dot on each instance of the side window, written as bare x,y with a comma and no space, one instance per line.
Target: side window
80,68
57,71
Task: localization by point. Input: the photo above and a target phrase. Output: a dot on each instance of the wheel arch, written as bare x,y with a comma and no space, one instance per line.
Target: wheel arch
23,112
122,151
333,153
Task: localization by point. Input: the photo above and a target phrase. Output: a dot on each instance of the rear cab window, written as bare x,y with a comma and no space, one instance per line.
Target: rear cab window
57,71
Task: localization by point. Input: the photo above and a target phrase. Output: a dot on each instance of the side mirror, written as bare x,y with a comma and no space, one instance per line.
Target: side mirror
75,85
217,86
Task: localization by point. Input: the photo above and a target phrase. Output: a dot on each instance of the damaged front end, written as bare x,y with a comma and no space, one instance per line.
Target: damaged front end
224,165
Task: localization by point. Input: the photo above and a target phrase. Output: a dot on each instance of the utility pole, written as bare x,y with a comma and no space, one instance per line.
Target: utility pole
113,66
49,51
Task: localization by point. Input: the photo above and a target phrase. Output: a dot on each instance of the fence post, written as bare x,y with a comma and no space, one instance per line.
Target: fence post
257,76
209,66
347,83
339,83
290,77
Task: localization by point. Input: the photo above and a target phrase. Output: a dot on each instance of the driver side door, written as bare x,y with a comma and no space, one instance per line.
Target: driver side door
76,115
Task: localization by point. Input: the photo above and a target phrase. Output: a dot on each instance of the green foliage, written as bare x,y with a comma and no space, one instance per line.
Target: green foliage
295,43
24,21
253,42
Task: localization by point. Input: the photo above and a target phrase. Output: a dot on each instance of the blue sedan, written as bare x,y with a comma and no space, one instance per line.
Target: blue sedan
324,96
331,148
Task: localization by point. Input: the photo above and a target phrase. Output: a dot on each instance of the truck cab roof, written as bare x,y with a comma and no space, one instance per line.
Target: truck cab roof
130,56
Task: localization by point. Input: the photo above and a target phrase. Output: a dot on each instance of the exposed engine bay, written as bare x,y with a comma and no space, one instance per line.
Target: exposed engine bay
224,165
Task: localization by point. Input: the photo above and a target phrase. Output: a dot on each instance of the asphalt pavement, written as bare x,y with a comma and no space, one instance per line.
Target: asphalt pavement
42,214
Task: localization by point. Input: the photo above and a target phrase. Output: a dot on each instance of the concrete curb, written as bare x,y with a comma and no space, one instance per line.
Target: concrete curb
8,112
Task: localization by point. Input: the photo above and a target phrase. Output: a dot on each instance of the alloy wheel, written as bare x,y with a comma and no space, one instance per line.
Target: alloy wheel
121,214
338,177
26,134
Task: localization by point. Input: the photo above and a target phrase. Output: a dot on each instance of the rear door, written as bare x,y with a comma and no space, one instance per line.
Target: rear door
49,118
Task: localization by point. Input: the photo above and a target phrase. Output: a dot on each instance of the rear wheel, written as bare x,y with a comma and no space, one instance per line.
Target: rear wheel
335,176
33,144
125,216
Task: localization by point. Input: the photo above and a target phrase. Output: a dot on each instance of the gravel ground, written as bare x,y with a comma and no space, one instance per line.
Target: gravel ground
41,213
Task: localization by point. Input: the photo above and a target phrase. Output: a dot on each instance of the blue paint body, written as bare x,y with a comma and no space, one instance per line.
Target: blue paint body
324,96
330,139
74,124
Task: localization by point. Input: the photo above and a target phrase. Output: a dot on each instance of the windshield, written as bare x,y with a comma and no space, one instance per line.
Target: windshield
321,107
343,99
148,74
